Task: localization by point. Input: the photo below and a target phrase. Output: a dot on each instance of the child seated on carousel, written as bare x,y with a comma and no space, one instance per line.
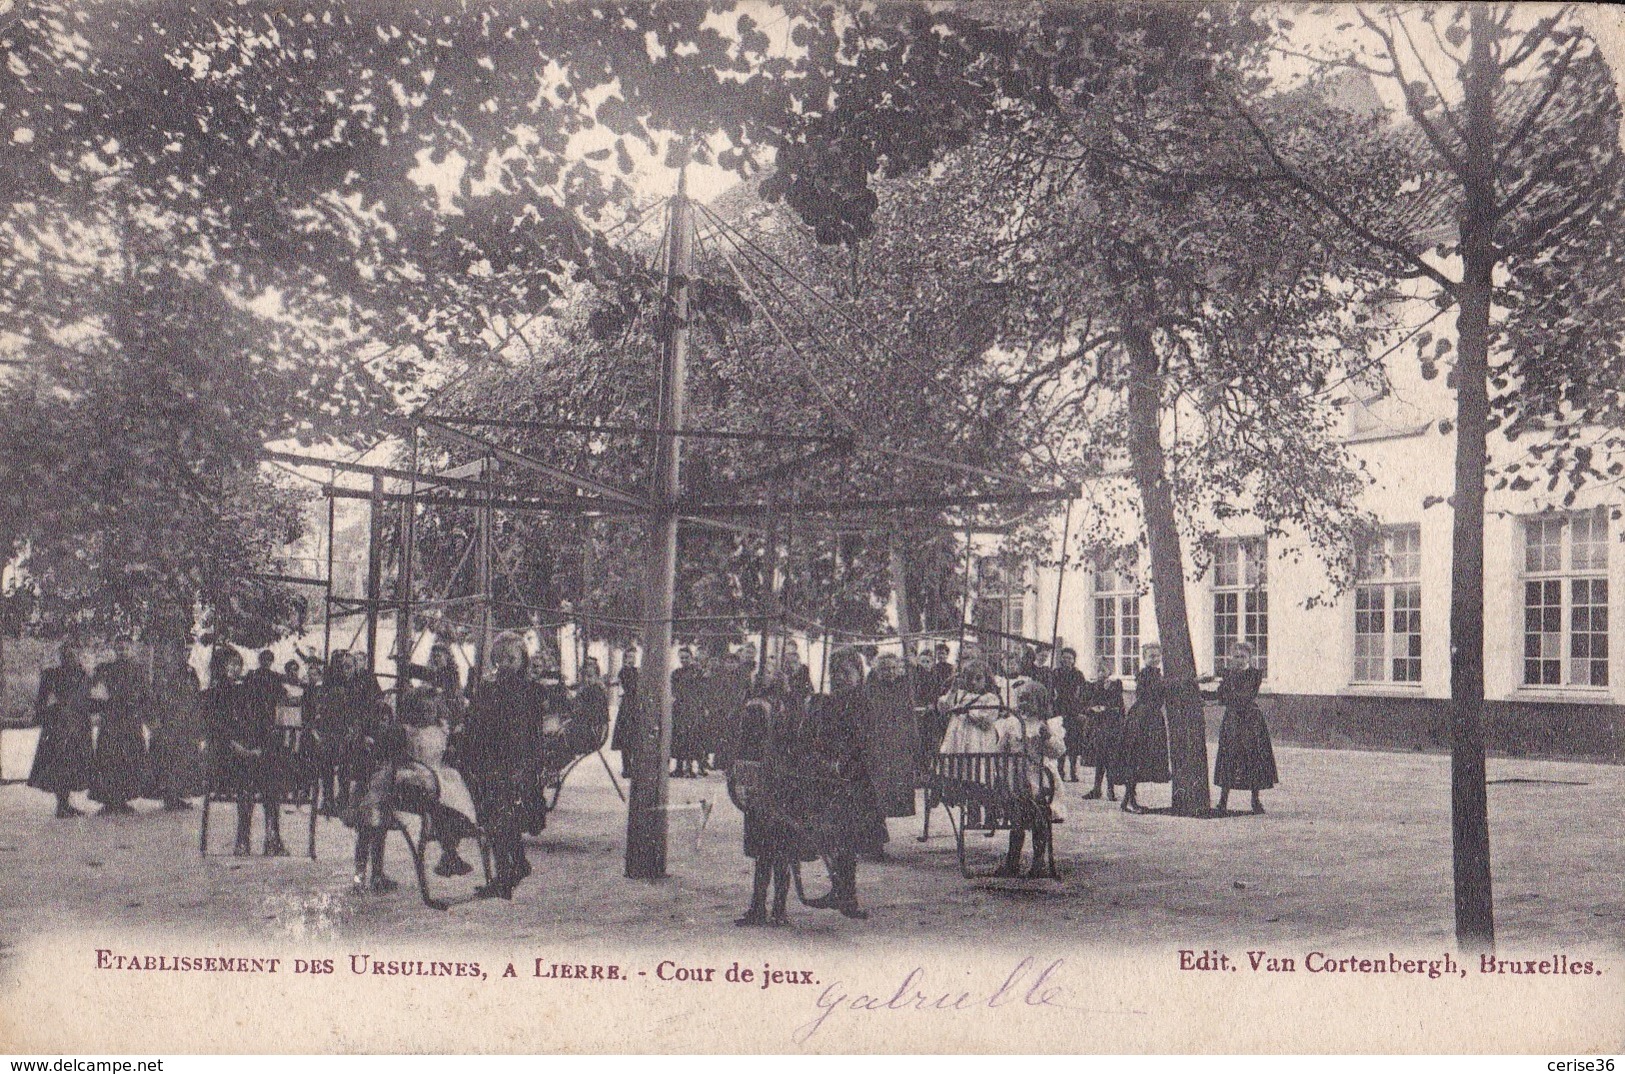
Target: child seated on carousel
424,717
385,747
1041,738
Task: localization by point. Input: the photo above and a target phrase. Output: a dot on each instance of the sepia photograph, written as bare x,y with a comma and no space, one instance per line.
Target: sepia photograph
741,526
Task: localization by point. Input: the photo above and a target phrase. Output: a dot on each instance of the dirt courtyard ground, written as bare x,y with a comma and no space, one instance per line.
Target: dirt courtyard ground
1355,850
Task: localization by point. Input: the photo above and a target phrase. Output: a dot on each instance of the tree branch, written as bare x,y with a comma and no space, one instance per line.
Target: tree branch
1526,125
1422,63
1413,107
1327,202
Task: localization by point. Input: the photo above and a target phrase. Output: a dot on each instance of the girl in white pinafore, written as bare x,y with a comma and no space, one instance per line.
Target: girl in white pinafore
977,721
424,716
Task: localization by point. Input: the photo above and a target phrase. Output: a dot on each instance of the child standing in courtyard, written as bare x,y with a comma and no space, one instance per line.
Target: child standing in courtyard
1142,749
1246,759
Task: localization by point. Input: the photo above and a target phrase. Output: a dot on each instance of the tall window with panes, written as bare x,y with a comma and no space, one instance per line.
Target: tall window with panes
1117,624
1388,609
1565,600
1241,607
1000,602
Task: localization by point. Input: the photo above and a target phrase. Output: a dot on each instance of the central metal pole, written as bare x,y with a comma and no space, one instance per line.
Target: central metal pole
646,813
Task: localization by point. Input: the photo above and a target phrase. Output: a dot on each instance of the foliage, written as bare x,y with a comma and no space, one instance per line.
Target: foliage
874,350
1108,141
1543,195
278,167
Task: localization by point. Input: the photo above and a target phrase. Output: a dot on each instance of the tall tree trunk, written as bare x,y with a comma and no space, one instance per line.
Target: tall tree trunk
1469,816
1187,729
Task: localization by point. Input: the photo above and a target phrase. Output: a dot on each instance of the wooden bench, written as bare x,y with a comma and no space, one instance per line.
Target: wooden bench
295,751
990,792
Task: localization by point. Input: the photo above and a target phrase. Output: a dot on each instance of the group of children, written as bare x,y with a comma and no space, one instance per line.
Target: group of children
1128,748
1061,720
483,750
475,759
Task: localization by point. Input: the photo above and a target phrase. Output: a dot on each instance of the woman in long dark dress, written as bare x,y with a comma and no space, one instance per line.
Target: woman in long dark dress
891,745
178,761
62,758
1142,750
120,770
1105,717
626,713
688,690
1245,758
834,750
501,742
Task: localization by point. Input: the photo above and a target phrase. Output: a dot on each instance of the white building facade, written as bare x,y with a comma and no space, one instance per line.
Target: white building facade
1369,667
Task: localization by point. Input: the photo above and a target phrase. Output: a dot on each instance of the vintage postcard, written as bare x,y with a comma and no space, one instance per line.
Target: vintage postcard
725,526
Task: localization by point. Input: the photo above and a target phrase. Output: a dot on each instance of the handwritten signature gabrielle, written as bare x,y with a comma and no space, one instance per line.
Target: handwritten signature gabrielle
1026,985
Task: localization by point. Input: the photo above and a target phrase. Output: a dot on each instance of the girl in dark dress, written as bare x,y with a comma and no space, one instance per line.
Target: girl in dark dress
732,689
1104,705
120,770
1142,751
440,675
1039,736
834,750
62,708
1245,759
501,739
384,746
589,713
241,750
344,707
765,734
1071,697
553,752
797,676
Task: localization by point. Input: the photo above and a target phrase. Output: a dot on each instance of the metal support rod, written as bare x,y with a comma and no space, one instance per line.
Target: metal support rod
327,603
965,605
770,570
404,582
585,505
646,825
895,503
898,562
1060,587
584,622
484,518
525,462
375,568
585,427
